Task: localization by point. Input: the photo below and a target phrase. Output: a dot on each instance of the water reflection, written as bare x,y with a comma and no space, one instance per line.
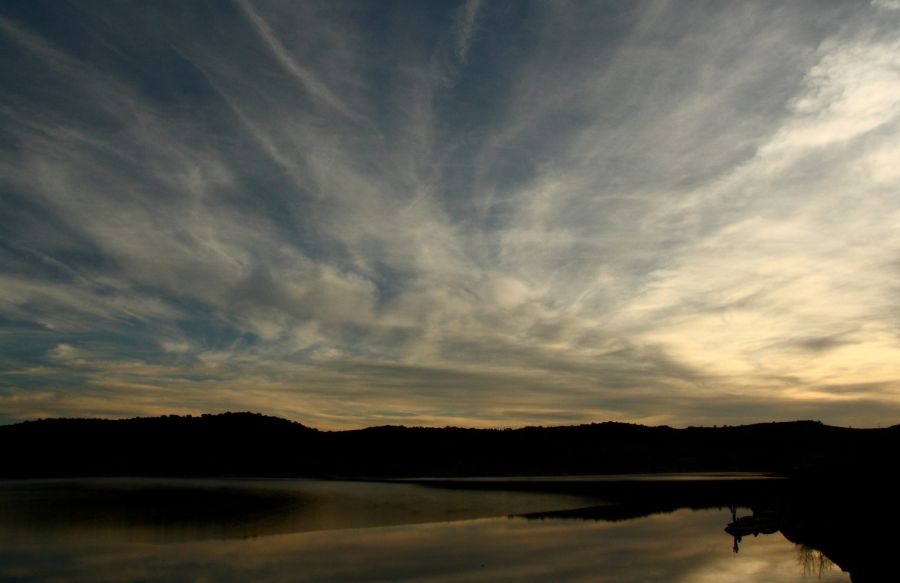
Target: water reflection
765,522
334,531
160,510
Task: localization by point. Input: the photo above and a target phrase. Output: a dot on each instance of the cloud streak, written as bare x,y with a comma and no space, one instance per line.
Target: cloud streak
309,81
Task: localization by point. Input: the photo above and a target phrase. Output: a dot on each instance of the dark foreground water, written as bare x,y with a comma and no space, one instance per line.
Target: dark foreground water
305,530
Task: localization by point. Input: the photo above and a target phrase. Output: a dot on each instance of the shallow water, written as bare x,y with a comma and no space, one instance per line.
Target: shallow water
304,530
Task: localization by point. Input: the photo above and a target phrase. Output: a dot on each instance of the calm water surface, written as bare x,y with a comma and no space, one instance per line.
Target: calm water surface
305,530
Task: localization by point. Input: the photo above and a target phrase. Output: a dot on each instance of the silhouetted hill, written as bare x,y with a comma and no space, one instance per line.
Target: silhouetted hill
249,444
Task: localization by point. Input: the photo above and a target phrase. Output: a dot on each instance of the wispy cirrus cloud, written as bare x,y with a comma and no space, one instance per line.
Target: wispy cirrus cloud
479,215
466,30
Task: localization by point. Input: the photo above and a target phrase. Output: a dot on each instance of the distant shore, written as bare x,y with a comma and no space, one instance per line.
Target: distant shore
249,444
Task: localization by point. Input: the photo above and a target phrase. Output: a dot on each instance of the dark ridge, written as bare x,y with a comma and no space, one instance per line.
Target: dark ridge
250,444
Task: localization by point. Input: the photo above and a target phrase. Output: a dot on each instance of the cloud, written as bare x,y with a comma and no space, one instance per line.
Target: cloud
466,30
645,212
886,4
315,87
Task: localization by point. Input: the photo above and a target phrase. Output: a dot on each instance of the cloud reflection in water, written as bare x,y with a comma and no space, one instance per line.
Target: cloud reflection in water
684,546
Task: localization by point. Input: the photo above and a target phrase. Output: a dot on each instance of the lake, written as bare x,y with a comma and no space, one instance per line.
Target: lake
95,530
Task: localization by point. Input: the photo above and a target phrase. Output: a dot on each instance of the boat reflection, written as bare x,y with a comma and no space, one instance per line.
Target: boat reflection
765,522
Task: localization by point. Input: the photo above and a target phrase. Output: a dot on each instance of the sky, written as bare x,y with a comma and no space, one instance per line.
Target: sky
480,213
